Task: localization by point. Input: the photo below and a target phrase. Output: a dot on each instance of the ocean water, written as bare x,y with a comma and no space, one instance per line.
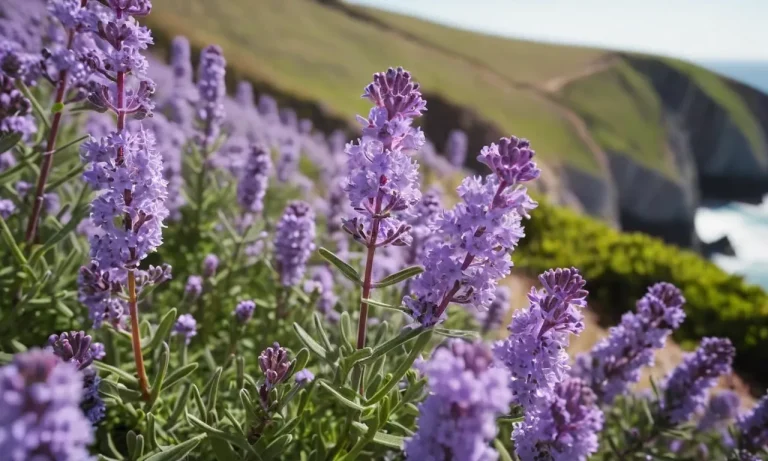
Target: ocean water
747,229
745,225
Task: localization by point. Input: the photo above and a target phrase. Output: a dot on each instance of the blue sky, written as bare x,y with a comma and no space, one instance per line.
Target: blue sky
700,30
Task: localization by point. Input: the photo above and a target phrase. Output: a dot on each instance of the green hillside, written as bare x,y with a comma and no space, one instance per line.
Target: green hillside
322,54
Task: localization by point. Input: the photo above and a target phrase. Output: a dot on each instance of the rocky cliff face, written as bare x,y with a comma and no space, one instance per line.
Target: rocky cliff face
713,158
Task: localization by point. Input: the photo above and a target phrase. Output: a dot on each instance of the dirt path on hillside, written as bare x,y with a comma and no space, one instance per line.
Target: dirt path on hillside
556,84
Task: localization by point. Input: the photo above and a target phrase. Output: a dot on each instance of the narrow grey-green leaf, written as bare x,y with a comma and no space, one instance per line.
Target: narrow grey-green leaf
397,341
403,368
163,328
177,452
276,449
236,439
123,375
463,334
399,276
308,341
346,270
343,400
8,141
177,375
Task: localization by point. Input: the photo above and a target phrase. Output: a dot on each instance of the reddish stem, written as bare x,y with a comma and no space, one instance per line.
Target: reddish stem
362,324
45,167
136,336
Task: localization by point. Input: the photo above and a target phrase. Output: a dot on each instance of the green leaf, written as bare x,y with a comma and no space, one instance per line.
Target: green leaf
177,452
74,171
157,385
402,369
511,419
397,341
57,107
318,321
123,375
399,276
35,104
213,390
357,356
343,400
301,359
277,448
8,141
236,439
222,450
389,440
313,346
166,323
346,270
503,453
373,302
463,334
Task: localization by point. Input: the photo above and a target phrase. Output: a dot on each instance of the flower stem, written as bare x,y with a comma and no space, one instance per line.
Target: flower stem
50,148
362,324
136,336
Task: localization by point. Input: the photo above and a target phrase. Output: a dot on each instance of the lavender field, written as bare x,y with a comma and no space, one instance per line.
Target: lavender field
190,270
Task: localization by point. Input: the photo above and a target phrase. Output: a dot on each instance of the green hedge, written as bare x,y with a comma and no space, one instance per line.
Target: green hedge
620,266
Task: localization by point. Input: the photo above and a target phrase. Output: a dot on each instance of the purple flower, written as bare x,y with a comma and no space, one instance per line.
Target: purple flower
425,214
40,415
244,94
721,409
252,185
288,161
96,289
73,347
492,318
194,287
456,148
472,245
382,183
753,427
685,389
244,311
304,377
535,351
210,264
7,160
98,351
274,363
211,88
614,363
181,66
76,347
185,326
294,242
564,429
457,420
510,160
7,208
15,110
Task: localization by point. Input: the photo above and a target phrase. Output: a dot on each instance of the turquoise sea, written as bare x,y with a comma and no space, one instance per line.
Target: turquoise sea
745,225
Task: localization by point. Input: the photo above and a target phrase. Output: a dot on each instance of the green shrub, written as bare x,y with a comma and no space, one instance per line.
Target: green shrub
620,266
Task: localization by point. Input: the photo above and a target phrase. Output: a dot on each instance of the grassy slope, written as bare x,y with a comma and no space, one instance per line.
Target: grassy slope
322,54
623,113
617,121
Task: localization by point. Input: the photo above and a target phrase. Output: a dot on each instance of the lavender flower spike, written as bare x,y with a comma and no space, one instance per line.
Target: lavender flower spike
492,318
185,326
458,418
685,390
753,427
210,264
73,347
40,416
565,429
274,363
473,242
294,242
304,377
535,352
614,363
252,185
721,409
244,311
194,287
456,148
211,88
